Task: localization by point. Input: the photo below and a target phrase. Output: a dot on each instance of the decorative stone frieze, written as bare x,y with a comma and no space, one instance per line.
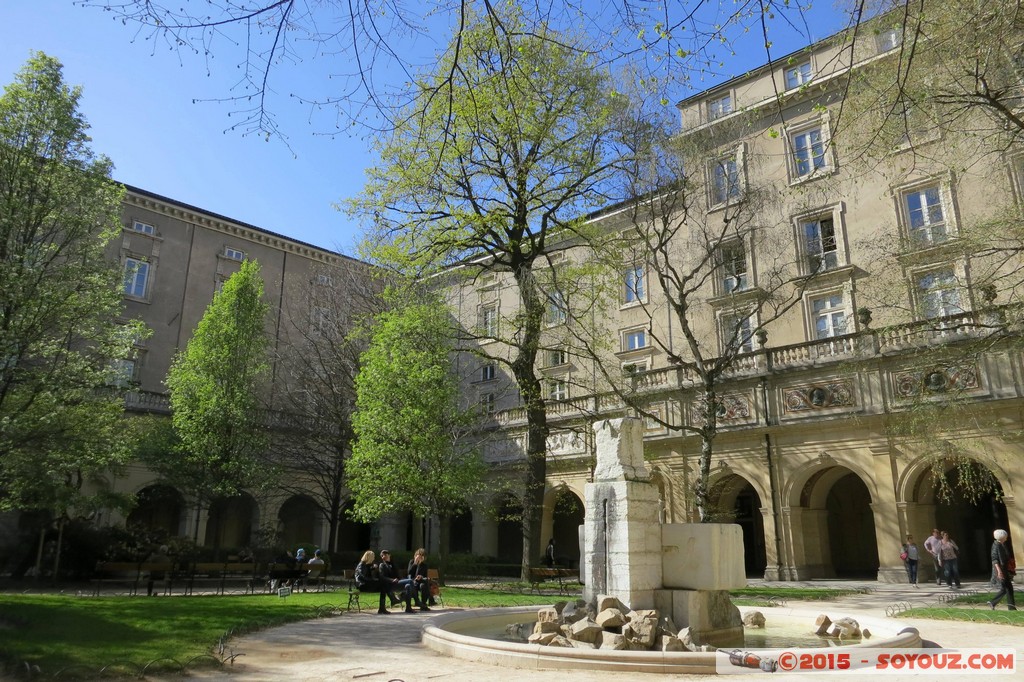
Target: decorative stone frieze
936,380
731,408
822,396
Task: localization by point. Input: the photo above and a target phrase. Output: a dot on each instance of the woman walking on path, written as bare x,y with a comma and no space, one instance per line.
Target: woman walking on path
1005,567
910,557
949,555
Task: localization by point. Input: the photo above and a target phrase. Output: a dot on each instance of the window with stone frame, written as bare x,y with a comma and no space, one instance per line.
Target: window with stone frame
732,263
719,107
634,339
820,243
489,321
829,315
737,332
926,215
724,180
557,357
809,149
558,389
136,277
489,371
634,284
798,75
939,293
557,311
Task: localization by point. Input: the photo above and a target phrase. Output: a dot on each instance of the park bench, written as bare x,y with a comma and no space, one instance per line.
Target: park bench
217,575
280,574
127,573
434,579
349,577
568,578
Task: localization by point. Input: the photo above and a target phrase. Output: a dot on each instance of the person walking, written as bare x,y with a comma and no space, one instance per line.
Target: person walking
1005,567
949,555
931,545
549,554
910,556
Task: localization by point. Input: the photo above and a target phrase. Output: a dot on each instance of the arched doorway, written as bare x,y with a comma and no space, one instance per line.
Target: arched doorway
298,520
460,532
353,536
736,501
510,530
566,518
831,516
231,521
851,529
969,519
158,508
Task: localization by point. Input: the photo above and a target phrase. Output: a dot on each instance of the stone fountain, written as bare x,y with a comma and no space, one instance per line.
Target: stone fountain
662,574
682,570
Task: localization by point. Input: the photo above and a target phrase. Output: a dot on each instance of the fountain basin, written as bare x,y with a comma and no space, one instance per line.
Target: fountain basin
454,634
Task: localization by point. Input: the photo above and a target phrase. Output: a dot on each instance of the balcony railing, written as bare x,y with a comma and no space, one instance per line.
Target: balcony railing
832,351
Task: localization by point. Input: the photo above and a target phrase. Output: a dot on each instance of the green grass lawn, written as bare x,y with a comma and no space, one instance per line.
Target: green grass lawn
760,596
972,608
57,631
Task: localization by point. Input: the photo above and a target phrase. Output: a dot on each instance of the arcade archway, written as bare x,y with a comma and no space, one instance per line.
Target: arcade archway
299,521
736,501
510,530
353,536
231,521
969,519
566,518
831,515
159,508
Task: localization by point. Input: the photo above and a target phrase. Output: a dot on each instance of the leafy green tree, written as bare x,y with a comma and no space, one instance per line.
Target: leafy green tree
411,451
61,401
528,127
215,386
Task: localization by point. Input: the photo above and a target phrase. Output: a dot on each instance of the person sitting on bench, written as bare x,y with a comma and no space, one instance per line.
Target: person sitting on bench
391,582
417,586
368,580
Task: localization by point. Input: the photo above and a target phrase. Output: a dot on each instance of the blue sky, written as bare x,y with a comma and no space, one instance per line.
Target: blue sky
139,100
140,106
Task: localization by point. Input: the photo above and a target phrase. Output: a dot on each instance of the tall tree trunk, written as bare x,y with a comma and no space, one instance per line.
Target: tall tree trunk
444,533
60,541
525,372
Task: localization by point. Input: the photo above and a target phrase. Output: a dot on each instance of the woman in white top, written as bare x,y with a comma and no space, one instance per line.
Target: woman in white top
910,556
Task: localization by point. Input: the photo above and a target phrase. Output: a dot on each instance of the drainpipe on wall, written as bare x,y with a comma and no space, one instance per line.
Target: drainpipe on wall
771,482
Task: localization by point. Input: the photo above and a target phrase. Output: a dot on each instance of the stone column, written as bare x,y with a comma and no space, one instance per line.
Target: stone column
622,555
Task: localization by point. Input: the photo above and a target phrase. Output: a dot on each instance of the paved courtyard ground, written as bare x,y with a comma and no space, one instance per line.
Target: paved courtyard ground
366,646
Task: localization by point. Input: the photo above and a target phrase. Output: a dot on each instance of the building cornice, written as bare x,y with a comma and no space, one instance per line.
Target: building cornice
149,201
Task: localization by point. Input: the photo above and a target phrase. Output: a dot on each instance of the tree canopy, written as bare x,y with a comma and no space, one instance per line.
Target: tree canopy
215,386
508,145
61,337
411,453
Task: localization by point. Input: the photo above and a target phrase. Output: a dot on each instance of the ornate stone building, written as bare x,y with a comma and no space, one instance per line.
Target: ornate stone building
824,453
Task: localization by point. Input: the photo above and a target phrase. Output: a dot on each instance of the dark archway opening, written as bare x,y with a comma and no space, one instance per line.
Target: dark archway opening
158,508
567,517
851,529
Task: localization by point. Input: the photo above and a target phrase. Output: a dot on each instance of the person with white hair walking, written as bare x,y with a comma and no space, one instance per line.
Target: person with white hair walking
1005,567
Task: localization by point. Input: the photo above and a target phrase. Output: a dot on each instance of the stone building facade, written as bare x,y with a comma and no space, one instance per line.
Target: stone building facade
891,303
176,257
